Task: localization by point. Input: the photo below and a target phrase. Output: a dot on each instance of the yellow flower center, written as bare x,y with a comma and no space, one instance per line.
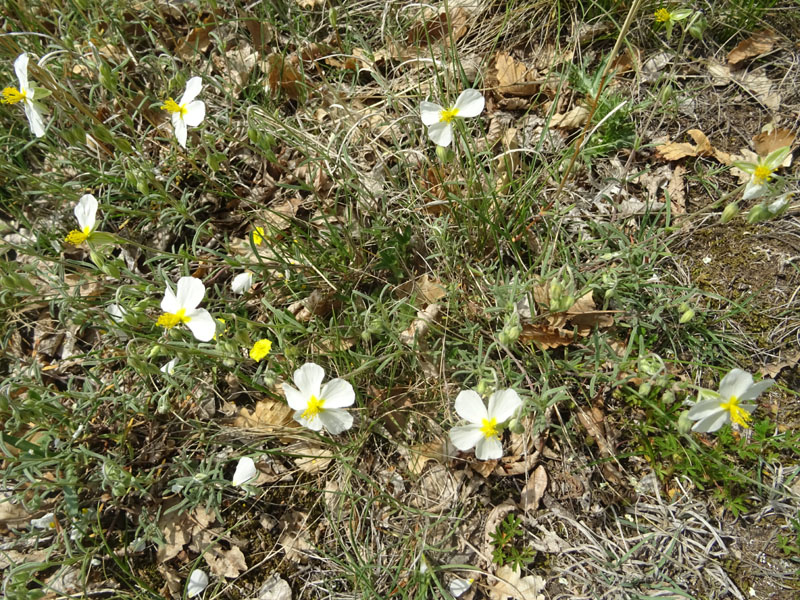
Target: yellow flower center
662,15
172,107
260,349
76,237
169,320
761,174
738,414
258,235
13,95
489,428
447,115
314,407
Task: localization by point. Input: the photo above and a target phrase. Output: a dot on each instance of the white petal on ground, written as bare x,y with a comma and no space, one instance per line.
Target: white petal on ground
190,292
308,379
336,420
338,393
503,404
43,522
488,449
193,88
466,437
195,113
470,103
441,134
169,368
245,471
198,581
242,282
86,211
459,586
116,312
202,324
430,113
735,383
469,407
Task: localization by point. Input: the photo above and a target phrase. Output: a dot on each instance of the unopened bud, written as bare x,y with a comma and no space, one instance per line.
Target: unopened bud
684,422
111,269
515,426
483,387
645,388
687,316
444,154
758,213
97,258
154,351
729,212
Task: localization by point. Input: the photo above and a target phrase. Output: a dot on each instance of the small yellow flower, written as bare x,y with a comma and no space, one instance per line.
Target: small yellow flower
260,350
662,15
258,235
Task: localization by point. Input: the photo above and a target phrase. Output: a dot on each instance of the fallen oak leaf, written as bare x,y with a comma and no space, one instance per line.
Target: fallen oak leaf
767,142
757,44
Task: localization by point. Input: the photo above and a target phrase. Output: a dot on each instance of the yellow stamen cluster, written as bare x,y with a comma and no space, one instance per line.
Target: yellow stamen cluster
489,428
662,15
13,95
738,414
76,238
447,115
173,107
170,320
314,407
762,173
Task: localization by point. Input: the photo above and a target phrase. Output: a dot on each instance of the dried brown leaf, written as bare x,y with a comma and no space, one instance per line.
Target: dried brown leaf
769,141
317,304
313,460
225,563
573,119
283,76
757,44
677,197
439,27
421,454
512,77
533,491
420,326
424,288
268,415
545,336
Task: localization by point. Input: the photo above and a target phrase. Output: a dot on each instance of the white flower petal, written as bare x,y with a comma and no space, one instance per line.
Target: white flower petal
430,113
193,88
470,103
21,69
169,368
195,113
459,586
314,423
465,437
116,312
294,398
703,409
338,393
170,302
190,292
441,134
503,404
35,119
201,324
43,522
469,407
308,379
489,449
754,190
198,582
242,282
245,471
336,420
180,131
86,211
735,383
712,422
754,391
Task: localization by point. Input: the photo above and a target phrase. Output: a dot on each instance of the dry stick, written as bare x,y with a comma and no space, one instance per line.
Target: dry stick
606,71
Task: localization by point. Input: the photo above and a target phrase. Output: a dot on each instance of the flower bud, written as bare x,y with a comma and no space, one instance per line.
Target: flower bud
97,258
729,213
668,397
687,316
515,426
698,26
111,269
645,388
757,214
684,424
483,387
154,351
444,154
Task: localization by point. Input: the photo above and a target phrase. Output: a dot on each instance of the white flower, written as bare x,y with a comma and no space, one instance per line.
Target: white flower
86,214
116,312
459,586
25,95
317,408
245,471
242,282
761,172
713,409
781,202
469,104
198,581
186,112
182,308
169,368
47,521
485,428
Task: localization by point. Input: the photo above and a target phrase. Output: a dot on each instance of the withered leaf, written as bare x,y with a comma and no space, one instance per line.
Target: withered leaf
533,491
769,141
512,77
757,44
